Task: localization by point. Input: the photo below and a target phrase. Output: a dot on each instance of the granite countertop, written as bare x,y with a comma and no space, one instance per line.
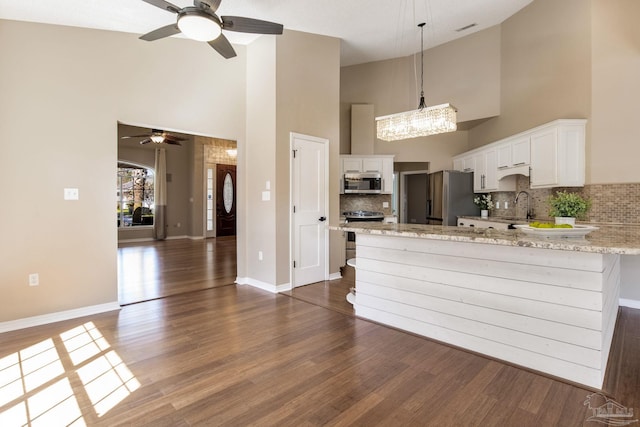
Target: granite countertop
502,219
607,239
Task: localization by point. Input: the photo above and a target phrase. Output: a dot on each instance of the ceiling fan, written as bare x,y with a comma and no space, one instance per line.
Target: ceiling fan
157,136
200,22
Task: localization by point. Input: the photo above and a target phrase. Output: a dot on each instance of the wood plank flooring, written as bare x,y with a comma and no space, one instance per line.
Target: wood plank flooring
236,356
158,269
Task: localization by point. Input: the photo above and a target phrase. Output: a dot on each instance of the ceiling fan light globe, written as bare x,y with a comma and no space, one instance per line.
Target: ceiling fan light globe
199,27
158,139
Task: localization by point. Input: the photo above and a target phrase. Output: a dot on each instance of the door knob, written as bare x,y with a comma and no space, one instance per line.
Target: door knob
322,218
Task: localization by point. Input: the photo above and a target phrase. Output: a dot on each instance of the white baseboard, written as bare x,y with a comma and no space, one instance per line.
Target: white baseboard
142,239
335,276
631,303
263,285
59,316
196,237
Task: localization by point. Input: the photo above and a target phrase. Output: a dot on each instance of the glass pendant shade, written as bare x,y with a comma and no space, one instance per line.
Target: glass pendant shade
158,139
199,27
412,124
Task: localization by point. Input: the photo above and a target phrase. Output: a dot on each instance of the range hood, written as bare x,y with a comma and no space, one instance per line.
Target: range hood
516,170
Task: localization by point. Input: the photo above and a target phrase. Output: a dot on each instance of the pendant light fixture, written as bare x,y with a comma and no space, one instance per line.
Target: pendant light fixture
424,121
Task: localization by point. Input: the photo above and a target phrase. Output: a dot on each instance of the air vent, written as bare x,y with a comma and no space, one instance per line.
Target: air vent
466,27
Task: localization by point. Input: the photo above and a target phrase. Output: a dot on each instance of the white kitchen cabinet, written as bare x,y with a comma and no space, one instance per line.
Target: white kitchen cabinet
520,151
514,152
558,155
372,164
464,162
485,175
387,175
553,155
351,164
504,155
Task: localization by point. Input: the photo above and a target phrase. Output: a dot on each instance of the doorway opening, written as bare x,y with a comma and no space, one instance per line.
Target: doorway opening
147,268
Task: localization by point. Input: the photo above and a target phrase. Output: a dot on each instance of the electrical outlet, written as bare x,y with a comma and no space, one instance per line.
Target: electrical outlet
385,204
34,279
498,205
506,205
259,255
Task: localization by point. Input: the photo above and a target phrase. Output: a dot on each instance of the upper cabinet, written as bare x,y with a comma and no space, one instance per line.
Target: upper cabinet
558,155
485,174
553,155
382,164
514,152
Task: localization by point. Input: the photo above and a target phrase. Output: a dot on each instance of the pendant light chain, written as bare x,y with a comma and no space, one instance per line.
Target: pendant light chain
422,104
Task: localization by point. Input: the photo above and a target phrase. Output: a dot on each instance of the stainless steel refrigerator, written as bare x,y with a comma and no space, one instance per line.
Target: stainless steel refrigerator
449,195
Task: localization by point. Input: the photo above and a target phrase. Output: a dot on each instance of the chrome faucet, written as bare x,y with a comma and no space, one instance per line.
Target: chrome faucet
528,202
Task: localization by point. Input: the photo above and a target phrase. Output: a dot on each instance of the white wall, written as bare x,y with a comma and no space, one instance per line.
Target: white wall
63,90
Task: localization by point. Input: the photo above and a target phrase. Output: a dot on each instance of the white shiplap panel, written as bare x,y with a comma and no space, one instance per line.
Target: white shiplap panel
509,312
549,310
512,254
565,296
553,366
473,324
403,264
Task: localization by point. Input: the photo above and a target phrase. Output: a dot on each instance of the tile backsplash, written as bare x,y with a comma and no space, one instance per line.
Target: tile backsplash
365,202
610,203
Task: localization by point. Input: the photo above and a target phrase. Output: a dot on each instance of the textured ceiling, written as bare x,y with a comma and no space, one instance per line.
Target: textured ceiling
371,30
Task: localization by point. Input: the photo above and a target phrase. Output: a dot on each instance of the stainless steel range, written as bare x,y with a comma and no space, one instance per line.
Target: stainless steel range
358,216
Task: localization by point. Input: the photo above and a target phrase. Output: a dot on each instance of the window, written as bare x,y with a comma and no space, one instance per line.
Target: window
134,195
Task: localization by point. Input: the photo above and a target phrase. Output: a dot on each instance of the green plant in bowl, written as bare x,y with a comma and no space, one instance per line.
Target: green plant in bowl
565,204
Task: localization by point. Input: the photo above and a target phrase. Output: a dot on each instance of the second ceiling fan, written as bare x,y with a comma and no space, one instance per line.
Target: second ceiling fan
200,22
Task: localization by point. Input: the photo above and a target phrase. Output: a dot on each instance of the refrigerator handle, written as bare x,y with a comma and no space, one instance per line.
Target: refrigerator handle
428,208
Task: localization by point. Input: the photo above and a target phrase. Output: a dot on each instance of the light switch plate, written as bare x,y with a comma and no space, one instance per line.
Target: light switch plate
71,194
266,196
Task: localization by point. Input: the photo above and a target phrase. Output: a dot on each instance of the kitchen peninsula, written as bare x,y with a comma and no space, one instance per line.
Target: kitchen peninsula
544,304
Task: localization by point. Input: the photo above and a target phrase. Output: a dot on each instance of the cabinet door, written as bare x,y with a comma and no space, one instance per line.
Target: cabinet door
504,156
478,173
387,176
520,151
371,165
544,158
490,170
353,164
469,163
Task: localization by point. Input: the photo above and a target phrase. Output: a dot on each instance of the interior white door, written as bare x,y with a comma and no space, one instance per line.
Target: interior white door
309,199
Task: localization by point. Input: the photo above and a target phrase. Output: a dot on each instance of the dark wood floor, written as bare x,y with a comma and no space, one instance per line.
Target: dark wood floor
236,355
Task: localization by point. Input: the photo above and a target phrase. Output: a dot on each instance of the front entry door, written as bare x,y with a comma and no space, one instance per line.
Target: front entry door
225,200
309,209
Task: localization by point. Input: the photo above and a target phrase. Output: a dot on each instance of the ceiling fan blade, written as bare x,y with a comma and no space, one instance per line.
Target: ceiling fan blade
173,138
145,141
212,5
223,47
162,4
146,135
170,142
250,25
160,33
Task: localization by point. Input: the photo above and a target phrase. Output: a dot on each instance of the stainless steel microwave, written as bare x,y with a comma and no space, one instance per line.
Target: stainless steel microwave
363,183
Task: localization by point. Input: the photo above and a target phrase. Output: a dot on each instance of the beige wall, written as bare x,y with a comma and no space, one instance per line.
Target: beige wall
63,92
615,69
292,86
258,160
464,72
545,72
307,100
